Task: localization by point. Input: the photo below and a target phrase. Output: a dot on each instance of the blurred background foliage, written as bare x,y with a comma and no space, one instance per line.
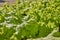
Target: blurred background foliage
29,19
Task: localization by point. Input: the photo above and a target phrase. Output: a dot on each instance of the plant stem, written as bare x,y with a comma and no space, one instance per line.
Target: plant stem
59,28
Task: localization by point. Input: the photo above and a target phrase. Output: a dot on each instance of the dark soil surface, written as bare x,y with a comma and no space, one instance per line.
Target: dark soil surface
8,1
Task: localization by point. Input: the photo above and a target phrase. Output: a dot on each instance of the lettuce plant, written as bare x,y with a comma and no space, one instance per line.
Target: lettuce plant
29,19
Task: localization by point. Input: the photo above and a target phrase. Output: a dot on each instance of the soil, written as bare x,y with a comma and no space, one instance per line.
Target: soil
8,1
